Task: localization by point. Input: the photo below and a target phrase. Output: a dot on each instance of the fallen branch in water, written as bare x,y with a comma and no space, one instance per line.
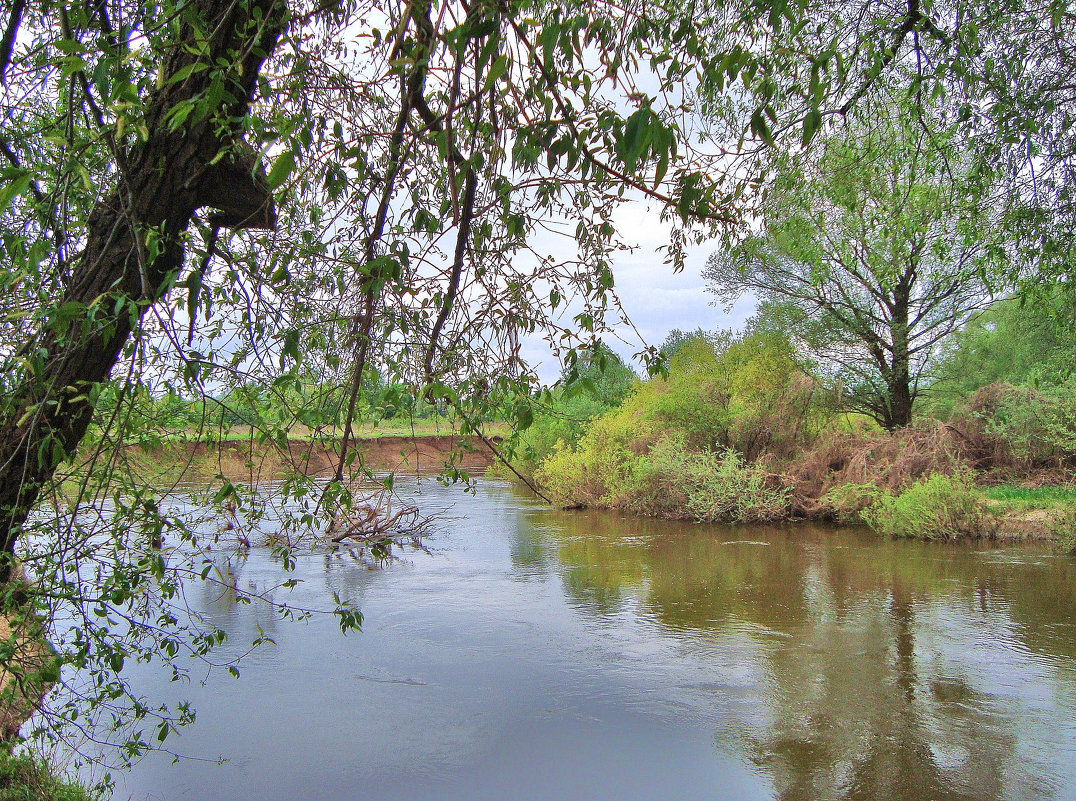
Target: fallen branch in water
375,520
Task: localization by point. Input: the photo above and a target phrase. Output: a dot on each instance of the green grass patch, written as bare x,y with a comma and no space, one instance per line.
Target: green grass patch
24,777
1020,498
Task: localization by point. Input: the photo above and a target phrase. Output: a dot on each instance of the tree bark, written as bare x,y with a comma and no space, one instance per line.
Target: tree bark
133,247
899,402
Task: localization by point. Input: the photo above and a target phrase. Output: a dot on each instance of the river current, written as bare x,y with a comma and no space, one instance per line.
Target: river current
536,654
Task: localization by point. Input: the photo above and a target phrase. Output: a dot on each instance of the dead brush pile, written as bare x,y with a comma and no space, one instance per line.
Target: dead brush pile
882,460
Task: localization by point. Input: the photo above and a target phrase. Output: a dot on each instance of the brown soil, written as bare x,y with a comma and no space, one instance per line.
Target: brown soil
20,692
253,461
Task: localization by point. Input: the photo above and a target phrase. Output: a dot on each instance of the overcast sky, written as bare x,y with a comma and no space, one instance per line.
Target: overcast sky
655,298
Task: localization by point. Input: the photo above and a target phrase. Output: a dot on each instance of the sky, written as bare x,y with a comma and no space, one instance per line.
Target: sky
656,299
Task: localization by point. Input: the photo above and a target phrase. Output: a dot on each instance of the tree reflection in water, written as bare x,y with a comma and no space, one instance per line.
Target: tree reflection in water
893,670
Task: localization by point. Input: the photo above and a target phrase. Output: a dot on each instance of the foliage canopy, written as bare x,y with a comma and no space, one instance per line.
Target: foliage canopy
199,197
873,249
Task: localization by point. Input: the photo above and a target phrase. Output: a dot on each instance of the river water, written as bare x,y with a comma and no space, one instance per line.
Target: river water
535,654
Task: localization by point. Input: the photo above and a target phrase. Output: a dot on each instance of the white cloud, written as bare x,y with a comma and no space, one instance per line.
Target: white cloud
655,298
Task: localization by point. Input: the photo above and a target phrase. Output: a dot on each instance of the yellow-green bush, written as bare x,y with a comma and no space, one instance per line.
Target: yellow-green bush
606,468
602,381
676,446
749,394
936,507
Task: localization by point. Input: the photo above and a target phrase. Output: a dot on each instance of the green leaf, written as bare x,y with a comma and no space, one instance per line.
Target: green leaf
282,168
524,417
185,72
811,124
14,187
761,128
496,72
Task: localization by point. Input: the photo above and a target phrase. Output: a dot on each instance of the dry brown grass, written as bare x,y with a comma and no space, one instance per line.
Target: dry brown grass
888,460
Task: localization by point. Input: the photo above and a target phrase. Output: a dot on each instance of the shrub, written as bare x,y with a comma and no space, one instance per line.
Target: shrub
719,487
1028,341
889,460
599,382
936,507
1022,425
668,480
749,393
846,503
603,469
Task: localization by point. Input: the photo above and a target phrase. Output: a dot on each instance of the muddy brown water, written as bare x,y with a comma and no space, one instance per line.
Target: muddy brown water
535,654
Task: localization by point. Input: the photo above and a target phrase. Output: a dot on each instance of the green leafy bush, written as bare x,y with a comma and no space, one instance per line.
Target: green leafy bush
936,507
594,386
749,393
718,487
676,446
666,480
1022,425
26,778
1027,342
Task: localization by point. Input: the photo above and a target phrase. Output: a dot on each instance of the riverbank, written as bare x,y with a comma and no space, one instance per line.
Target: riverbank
28,665
253,460
27,672
925,482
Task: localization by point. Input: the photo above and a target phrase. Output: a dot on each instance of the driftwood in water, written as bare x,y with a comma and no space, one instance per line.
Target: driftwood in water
376,520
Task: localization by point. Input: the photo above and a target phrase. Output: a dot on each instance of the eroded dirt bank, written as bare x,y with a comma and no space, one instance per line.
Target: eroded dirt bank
251,460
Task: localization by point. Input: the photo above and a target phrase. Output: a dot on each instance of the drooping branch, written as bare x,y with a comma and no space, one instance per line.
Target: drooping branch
412,84
7,43
133,248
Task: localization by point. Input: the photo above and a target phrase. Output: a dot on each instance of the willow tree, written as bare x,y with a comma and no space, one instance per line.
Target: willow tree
1000,72
203,195
878,245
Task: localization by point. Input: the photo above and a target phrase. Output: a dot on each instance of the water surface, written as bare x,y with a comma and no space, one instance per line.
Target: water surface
545,655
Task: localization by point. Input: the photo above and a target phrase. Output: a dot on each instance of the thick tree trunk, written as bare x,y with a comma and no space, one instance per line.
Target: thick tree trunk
133,249
899,381
900,403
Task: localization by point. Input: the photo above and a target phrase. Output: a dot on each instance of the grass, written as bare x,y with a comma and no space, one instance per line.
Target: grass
197,456
1019,498
24,777
395,427
1040,512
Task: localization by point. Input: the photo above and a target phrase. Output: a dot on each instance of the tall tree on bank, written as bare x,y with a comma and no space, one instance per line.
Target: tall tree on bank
1001,72
132,249
874,248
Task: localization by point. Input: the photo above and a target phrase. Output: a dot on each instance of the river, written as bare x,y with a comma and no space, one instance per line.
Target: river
535,654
